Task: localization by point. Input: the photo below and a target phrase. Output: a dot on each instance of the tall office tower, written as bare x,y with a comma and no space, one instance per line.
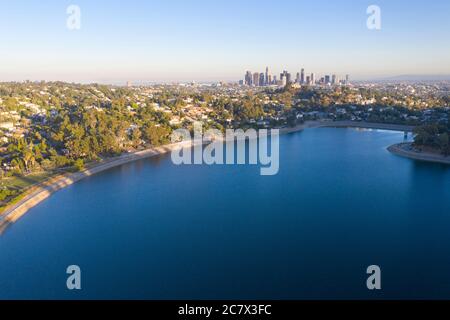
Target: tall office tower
313,78
347,79
248,78
262,79
266,80
333,79
297,78
322,80
327,79
302,76
270,80
274,80
256,79
283,78
308,80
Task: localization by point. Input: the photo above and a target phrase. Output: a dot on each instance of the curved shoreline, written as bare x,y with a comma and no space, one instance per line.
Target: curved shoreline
43,190
348,124
405,150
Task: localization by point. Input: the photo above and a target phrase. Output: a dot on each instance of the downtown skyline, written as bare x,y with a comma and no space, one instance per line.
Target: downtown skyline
262,79
211,42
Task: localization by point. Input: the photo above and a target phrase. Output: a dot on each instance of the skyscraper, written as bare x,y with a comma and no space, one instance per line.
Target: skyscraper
333,79
327,79
308,80
347,79
256,79
266,80
283,78
288,77
248,78
262,79
313,78
297,78
302,76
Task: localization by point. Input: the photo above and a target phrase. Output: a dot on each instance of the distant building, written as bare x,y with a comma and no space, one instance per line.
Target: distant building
308,80
262,79
333,79
302,76
288,78
266,80
283,79
248,78
313,78
256,79
327,79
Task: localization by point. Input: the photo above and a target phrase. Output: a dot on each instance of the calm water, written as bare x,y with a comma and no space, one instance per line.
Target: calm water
153,230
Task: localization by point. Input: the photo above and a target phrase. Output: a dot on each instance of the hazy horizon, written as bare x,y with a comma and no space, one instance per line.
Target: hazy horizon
176,41
400,78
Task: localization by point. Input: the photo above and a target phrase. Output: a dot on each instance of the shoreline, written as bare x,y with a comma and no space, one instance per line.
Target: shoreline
405,150
347,124
45,189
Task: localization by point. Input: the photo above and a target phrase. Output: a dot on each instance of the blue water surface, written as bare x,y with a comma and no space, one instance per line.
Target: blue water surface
152,230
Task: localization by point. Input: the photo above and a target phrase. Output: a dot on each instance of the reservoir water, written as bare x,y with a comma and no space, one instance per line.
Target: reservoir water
152,230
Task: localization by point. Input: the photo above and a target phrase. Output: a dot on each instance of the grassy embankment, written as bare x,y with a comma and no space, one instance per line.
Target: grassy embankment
18,185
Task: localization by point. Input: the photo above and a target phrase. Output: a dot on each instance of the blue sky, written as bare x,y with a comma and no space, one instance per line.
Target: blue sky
175,40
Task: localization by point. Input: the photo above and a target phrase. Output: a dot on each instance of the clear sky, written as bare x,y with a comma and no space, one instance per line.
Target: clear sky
182,40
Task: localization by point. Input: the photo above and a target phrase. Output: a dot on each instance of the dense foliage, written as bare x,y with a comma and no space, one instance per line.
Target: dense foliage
433,136
54,127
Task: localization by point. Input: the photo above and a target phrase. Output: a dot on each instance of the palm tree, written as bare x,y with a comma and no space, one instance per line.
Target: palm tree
28,157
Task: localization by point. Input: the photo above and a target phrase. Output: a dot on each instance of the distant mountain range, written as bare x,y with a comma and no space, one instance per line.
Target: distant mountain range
418,77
